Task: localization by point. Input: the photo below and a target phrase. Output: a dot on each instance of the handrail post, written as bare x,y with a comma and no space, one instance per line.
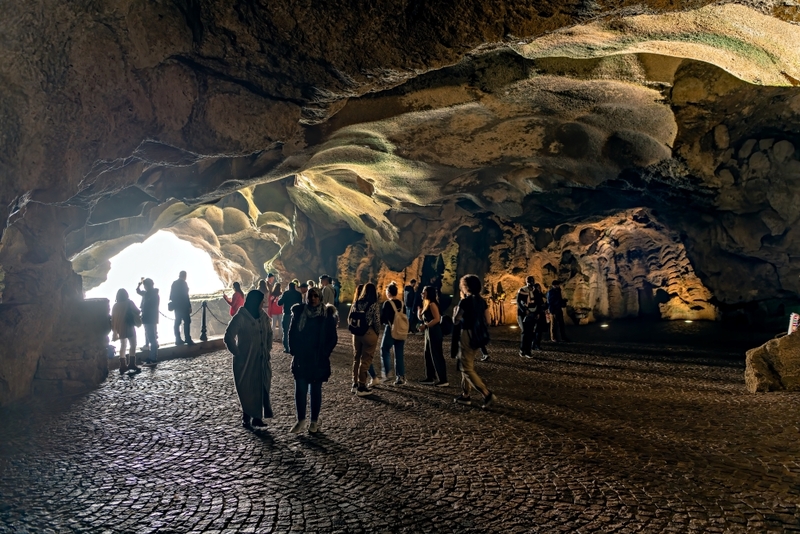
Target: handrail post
203,329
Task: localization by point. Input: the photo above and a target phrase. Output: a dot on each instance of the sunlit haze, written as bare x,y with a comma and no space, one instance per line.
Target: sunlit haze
161,257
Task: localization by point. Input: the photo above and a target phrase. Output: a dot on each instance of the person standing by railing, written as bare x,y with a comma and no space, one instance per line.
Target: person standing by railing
150,304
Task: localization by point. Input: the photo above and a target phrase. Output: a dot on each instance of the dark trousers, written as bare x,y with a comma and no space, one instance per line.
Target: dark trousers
185,318
558,330
435,365
287,318
527,334
151,338
301,390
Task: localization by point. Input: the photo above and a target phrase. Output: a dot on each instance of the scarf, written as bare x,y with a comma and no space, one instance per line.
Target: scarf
309,313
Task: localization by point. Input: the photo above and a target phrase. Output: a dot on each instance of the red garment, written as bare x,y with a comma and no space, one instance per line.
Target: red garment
274,307
235,302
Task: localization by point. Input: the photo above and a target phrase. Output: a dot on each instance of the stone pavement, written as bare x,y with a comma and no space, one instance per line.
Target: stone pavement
585,438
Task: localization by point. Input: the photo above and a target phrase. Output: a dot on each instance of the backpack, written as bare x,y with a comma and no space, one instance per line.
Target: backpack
446,322
399,324
357,321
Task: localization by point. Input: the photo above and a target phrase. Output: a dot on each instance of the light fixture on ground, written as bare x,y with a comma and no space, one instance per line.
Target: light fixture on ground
604,325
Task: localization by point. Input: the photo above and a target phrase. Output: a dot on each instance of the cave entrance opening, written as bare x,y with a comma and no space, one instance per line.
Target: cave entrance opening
161,257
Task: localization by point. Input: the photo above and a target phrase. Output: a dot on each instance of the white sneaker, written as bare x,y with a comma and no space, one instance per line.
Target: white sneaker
399,381
374,381
299,427
315,426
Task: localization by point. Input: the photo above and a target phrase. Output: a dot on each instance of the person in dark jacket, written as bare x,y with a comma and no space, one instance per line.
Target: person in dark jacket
312,338
470,312
288,299
150,303
409,296
555,305
541,316
179,300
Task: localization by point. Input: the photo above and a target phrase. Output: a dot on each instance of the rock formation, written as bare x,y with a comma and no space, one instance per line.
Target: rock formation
774,366
275,135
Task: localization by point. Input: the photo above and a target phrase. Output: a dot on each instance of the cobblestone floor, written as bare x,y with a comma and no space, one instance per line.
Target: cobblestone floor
584,438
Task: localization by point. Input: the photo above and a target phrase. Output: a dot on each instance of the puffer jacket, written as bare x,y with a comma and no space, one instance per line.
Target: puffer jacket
311,349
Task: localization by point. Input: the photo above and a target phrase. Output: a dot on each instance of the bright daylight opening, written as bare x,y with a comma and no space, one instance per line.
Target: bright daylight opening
161,257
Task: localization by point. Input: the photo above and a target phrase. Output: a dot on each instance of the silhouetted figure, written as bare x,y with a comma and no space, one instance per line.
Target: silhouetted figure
124,316
304,290
150,304
409,297
555,304
312,338
471,312
430,316
540,325
180,304
288,300
237,299
249,338
337,292
526,316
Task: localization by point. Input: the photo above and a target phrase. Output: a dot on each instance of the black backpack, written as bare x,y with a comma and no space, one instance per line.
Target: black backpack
357,321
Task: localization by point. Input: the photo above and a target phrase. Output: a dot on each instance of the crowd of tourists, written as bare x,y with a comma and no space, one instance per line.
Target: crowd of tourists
305,318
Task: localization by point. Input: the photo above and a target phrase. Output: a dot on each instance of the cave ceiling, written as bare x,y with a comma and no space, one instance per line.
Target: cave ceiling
259,131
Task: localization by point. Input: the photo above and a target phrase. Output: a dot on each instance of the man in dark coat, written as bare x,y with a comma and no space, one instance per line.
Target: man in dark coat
289,298
179,301
150,303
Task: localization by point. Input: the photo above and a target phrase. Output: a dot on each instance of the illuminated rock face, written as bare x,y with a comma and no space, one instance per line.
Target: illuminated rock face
625,265
275,137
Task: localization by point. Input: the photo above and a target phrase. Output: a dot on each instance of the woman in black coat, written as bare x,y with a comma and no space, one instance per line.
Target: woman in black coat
312,338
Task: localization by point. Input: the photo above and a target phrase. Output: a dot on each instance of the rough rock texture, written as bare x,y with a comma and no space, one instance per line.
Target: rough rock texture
274,135
774,366
625,265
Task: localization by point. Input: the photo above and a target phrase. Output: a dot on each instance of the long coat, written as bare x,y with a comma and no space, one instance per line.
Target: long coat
249,340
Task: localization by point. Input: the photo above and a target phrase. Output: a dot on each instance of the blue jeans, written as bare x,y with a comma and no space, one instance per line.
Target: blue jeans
386,353
301,389
151,339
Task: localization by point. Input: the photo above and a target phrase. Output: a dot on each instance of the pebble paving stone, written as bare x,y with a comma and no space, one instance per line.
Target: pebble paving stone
585,438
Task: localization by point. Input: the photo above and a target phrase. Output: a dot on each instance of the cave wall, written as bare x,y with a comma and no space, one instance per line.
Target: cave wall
625,265
274,135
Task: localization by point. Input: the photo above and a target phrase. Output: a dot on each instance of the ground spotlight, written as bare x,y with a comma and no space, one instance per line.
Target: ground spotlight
604,325
687,321
514,327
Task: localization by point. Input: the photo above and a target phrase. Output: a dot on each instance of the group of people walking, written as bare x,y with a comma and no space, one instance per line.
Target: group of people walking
311,334
305,317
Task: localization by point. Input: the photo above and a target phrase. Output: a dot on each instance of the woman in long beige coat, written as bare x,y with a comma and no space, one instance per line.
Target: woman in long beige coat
249,338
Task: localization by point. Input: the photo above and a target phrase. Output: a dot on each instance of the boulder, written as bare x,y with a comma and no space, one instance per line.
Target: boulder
774,366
